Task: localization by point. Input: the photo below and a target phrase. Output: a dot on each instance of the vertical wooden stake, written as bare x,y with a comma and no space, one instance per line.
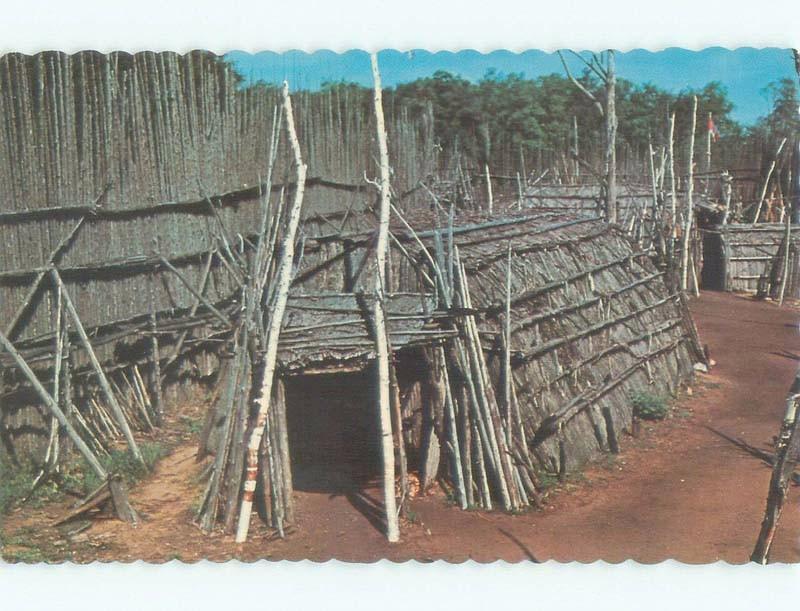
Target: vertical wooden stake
451,423
672,187
158,395
611,432
611,137
382,344
489,188
575,149
507,352
709,134
687,226
786,258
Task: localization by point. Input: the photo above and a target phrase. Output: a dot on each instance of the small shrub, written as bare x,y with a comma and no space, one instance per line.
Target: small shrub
15,482
649,406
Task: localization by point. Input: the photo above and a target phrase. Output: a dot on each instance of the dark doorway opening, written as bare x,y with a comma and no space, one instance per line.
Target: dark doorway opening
334,436
712,276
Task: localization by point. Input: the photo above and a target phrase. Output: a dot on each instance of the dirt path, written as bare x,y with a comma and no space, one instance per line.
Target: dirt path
678,491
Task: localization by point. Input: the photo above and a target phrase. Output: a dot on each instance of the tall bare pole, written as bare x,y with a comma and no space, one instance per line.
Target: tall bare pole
575,147
489,188
673,192
611,137
787,240
687,226
608,111
381,340
275,324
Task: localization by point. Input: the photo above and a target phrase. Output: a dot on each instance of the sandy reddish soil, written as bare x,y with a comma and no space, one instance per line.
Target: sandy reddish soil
677,491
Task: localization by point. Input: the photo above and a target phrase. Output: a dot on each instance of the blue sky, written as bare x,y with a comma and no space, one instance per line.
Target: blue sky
744,72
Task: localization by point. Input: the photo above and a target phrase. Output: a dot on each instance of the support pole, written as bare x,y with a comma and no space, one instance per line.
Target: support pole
611,137
687,226
119,497
575,149
709,134
381,334
786,259
284,281
219,315
787,453
455,449
673,189
507,352
764,187
489,188
101,376
158,395
55,255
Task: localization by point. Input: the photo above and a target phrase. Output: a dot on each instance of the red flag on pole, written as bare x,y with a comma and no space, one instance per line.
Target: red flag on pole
712,129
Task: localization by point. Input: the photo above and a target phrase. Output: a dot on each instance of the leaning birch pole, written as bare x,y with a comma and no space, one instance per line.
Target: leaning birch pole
55,410
119,496
771,169
687,226
284,276
119,415
381,341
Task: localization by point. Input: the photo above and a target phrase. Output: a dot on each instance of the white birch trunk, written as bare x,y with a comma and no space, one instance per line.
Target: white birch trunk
672,186
687,227
763,194
275,324
489,188
382,345
708,148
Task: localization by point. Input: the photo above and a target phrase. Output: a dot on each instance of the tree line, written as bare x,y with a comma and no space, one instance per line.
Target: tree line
516,123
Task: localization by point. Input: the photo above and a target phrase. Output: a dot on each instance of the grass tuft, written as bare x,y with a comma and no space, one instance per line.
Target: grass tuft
77,476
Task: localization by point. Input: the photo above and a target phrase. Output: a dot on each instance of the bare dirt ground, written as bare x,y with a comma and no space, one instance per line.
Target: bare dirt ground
677,491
